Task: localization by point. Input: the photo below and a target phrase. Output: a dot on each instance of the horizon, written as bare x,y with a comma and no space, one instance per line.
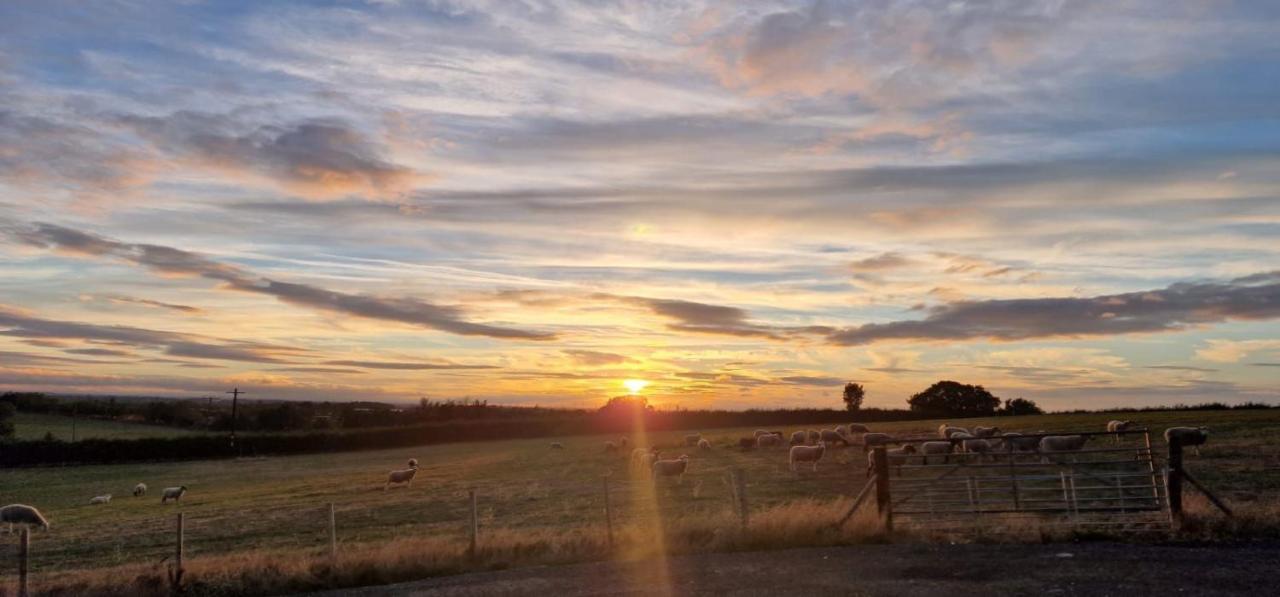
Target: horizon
708,205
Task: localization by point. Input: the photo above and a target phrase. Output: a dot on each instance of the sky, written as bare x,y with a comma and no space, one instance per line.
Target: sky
745,204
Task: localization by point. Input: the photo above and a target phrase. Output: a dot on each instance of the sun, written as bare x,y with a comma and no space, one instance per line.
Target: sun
635,385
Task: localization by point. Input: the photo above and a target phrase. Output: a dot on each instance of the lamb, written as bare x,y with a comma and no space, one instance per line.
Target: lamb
799,438
831,436
403,475
928,449
22,514
173,493
946,431
857,428
768,440
1114,426
100,499
870,440
985,431
692,439
140,490
1062,443
807,454
1187,436
671,468
557,446
704,444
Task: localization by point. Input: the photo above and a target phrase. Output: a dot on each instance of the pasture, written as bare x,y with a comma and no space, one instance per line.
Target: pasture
34,426
280,505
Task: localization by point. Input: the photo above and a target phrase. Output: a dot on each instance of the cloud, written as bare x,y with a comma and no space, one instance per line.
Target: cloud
813,380
592,358
1173,308
1234,351
129,300
171,261
881,262
406,366
316,158
99,352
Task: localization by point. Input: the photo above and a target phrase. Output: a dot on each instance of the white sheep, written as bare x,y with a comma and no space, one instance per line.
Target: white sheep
692,439
946,431
557,446
1114,426
943,449
403,475
768,439
671,468
894,456
871,440
807,454
173,493
856,428
643,458
814,437
977,446
100,499
140,490
1016,442
703,444
760,432
610,448
831,437
985,431
1187,436
1062,443
23,514
799,438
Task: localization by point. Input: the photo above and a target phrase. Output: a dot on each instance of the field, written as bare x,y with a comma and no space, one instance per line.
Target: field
33,426
535,504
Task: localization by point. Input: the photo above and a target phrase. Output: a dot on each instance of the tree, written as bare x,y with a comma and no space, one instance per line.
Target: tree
1020,406
7,413
853,395
954,399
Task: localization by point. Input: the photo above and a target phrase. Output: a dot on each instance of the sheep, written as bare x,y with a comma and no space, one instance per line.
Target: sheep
985,431
1114,426
977,446
1062,443
768,440
403,475
746,443
23,514
140,490
1016,442
760,432
173,493
557,446
100,499
692,439
870,440
704,444
807,454
671,468
610,448
831,436
643,457
622,442
894,456
799,438
814,436
946,431
944,449
1187,436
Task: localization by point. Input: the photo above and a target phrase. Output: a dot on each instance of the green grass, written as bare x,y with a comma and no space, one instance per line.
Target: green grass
34,426
524,487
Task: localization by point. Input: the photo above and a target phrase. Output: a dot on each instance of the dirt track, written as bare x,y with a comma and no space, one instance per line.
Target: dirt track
1085,569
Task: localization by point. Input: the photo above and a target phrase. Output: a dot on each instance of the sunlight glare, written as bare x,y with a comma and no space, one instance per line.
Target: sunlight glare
635,385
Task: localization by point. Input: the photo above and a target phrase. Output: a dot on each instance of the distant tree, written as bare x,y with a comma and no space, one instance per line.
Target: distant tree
954,399
7,413
1020,406
853,395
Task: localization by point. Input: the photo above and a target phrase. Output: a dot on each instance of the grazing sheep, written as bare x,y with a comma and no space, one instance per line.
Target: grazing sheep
611,448
100,499
692,439
946,431
895,456
403,476
986,431
1114,426
814,436
768,440
22,514
856,428
977,446
831,437
1062,443
943,449
807,454
1015,442
760,432
746,443
703,444
173,493
671,468
140,490
871,440
642,458
799,438
1187,436
557,446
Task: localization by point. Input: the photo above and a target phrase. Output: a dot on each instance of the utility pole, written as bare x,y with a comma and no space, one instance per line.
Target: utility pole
235,399
73,423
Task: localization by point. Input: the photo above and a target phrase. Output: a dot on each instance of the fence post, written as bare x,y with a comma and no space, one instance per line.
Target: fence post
1173,482
740,488
475,523
880,466
608,514
175,579
24,556
333,534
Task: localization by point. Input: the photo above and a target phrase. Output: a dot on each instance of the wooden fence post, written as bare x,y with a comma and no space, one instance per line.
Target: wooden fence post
24,557
475,523
608,514
175,577
740,489
1173,482
333,534
880,466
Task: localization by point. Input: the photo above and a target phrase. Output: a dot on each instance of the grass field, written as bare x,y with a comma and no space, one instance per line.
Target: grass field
30,426
530,497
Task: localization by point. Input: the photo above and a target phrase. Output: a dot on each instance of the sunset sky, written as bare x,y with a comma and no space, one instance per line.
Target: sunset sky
745,204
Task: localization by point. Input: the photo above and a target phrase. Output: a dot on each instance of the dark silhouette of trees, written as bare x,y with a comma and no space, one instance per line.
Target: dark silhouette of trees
954,399
7,412
853,395
1021,406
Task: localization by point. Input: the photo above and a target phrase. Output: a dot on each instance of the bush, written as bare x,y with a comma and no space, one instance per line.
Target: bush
954,399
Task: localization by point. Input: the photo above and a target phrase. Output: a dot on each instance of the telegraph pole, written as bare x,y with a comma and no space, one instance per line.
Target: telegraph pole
235,399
